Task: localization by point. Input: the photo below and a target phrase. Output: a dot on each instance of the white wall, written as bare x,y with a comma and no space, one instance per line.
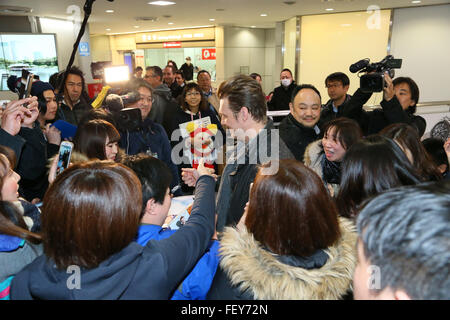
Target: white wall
243,47
66,33
252,48
421,36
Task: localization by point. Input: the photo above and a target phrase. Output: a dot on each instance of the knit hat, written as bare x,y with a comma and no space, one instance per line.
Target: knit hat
38,87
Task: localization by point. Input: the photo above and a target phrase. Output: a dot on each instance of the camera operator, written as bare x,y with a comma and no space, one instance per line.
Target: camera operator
150,137
398,106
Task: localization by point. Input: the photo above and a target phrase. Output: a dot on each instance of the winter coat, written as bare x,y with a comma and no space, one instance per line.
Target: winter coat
75,114
372,122
327,113
16,142
151,139
249,271
163,103
281,97
296,136
313,159
16,253
197,283
135,272
32,164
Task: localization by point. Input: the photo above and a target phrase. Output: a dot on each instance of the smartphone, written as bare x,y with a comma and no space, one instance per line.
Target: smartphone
28,86
65,152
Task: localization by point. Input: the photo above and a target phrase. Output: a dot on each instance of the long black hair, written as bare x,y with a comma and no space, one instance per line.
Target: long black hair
371,166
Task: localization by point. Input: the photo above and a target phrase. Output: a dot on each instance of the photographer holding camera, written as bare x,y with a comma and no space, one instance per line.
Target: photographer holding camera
400,97
147,136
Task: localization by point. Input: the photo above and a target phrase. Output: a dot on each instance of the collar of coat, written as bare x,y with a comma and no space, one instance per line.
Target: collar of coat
250,267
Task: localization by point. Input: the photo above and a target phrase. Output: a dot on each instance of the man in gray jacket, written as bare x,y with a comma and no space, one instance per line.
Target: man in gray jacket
162,96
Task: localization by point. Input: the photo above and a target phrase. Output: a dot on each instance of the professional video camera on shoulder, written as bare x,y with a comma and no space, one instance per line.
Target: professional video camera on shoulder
126,119
373,80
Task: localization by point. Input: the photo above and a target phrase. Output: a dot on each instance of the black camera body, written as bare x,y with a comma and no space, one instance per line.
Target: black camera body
128,119
373,80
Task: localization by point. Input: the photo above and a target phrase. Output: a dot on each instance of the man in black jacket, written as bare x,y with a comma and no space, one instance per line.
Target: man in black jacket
188,69
337,85
282,94
398,106
76,101
169,80
300,127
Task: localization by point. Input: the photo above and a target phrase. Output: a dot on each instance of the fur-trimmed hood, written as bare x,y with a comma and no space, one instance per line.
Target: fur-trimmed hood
312,156
250,267
313,160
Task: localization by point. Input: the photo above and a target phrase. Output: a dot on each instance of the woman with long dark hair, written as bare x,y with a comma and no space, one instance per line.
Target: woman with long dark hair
371,166
325,156
408,139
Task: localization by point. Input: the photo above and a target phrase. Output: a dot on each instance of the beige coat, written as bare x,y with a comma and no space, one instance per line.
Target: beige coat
250,267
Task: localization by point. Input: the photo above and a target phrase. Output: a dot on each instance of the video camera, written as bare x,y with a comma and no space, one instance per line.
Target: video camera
374,82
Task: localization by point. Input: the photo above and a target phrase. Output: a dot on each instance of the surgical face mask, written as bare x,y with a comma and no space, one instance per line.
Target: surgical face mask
286,82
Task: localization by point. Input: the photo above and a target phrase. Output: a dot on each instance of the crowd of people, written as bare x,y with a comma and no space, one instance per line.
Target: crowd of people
303,209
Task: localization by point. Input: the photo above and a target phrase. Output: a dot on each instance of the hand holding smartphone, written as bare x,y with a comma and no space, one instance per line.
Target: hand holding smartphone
65,152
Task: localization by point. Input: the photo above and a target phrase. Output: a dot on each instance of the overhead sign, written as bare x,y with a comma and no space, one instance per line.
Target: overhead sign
198,34
209,54
83,49
175,44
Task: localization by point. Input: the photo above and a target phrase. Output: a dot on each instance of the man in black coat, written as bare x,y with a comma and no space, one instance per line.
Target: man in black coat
398,106
76,101
188,69
300,127
282,94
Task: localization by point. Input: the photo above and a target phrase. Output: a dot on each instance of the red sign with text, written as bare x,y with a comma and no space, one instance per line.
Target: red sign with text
209,54
175,44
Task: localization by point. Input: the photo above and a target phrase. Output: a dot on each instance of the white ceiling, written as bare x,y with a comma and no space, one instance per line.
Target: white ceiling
191,13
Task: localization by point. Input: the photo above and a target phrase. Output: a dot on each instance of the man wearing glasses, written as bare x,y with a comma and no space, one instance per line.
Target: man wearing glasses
164,105
150,138
337,85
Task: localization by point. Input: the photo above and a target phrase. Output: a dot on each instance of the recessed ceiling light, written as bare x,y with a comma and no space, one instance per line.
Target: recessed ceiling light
108,29
109,11
136,27
161,3
416,1
170,23
263,15
252,26
212,19
329,9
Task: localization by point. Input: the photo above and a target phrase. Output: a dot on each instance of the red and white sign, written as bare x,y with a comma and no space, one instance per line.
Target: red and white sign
175,44
209,54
